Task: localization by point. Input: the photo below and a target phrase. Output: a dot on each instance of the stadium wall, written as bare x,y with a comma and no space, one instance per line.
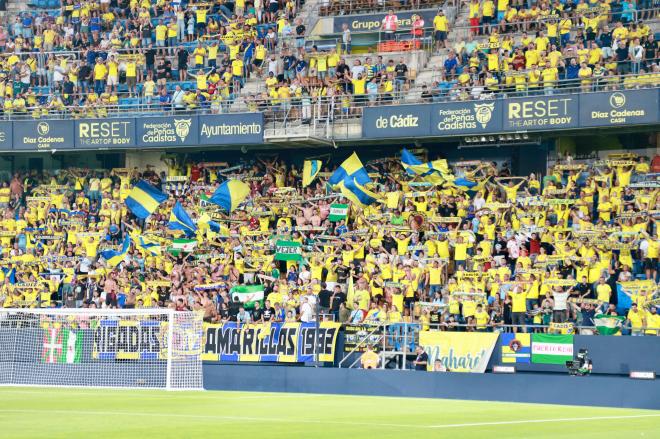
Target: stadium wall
607,391
610,355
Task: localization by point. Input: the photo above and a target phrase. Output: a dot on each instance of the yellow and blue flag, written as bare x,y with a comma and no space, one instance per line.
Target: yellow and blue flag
115,257
144,199
146,245
230,194
205,220
352,169
357,193
434,172
181,220
311,169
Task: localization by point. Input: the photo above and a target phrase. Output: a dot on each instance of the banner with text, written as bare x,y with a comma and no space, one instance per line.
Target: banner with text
373,22
533,113
270,342
167,131
396,121
541,113
626,107
226,129
127,339
465,118
43,135
105,133
459,351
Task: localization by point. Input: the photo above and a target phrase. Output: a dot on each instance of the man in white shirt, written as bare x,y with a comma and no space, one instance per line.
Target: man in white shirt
177,98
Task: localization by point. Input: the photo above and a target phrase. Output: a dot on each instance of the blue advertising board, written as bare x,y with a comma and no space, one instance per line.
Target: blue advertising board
625,107
396,121
6,135
105,133
40,135
167,131
228,129
531,113
541,113
473,117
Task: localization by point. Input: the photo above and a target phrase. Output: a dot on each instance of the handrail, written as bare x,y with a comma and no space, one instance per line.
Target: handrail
352,5
240,104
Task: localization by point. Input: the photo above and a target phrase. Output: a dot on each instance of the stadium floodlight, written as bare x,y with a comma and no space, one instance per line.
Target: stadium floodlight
135,348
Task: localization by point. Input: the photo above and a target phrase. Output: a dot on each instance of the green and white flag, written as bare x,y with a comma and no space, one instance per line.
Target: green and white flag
182,245
72,344
552,348
248,295
608,325
288,251
338,212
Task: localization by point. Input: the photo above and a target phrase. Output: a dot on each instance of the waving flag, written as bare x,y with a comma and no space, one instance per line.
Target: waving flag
230,194
608,325
144,199
146,245
434,172
352,169
180,220
357,193
115,257
248,295
205,220
311,169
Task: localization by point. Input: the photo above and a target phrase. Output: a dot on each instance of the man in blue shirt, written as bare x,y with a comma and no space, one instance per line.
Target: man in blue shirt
165,100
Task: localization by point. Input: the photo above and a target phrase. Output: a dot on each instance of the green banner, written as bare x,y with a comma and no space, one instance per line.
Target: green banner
551,348
338,212
288,251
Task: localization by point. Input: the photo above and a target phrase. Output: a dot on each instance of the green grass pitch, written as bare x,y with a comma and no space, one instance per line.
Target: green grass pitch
28,412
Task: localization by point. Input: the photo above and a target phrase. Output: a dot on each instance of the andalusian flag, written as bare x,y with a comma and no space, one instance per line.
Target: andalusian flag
248,295
62,346
288,251
551,348
608,325
338,212
311,169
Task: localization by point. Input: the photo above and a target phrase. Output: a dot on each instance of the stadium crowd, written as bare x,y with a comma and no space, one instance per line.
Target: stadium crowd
466,247
91,59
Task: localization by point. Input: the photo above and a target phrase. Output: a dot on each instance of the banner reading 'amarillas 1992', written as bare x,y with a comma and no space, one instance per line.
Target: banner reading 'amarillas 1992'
270,342
129,132
532,113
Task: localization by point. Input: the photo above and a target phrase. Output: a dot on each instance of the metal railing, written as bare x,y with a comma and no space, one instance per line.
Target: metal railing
328,8
341,106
